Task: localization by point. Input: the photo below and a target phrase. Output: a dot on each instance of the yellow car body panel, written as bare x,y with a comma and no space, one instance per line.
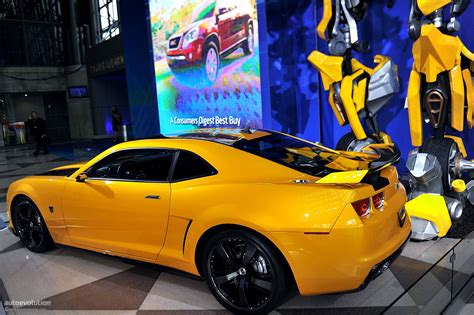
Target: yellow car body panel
432,208
349,177
459,185
386,139
459,143
335,107
330,67
466,74
414,109
360,92
76,165
457,98
381,60
429,6
347,88
327,16
307,221
357,65
435,52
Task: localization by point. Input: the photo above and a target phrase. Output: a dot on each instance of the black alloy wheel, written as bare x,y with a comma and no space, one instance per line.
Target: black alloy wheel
244,273
30,226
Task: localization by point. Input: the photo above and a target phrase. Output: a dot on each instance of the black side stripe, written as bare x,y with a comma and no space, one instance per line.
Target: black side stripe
186,234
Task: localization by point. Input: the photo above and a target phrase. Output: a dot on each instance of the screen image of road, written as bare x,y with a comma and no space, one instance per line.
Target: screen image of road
207,68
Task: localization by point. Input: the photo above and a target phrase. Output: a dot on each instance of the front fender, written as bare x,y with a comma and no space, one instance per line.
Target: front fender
46,193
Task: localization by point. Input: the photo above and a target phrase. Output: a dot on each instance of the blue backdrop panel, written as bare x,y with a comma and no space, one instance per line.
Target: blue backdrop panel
135,32
294,88
385,30
293,99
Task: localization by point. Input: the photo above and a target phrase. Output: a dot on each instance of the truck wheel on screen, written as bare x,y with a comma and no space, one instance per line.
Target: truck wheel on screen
211,63
249,43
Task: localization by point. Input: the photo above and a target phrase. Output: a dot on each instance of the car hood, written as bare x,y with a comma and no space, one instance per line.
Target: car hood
184,29
65,170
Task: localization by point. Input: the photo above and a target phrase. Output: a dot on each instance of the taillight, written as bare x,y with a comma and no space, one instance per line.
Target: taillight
362,207
379,200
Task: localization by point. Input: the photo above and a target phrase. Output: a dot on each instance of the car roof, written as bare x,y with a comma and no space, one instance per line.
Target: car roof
222,136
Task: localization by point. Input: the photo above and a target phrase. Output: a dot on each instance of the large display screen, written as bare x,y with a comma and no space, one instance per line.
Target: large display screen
207,68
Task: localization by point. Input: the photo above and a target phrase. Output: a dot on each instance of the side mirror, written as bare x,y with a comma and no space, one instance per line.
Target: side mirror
81,178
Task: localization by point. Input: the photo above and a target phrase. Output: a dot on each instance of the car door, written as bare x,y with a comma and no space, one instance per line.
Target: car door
239,27
225,23
123,205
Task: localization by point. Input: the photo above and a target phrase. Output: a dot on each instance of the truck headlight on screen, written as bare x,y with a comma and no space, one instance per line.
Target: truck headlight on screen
191,36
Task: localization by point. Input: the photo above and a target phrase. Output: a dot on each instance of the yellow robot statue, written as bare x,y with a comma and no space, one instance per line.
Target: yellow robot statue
440,93
356,92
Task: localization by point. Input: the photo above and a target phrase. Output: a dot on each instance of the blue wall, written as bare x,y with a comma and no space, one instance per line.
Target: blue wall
139,68
294,101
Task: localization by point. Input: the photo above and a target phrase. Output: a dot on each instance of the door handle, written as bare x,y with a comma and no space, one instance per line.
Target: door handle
152,197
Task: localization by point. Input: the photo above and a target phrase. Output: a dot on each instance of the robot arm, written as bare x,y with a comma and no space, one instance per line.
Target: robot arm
339,25
458,7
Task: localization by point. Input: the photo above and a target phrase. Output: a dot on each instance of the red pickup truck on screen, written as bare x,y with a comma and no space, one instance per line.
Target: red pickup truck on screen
217,28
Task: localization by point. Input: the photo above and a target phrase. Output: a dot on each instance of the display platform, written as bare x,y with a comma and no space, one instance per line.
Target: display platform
69,279
73,279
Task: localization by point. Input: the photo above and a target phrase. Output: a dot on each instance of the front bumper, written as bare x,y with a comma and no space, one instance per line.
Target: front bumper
182,58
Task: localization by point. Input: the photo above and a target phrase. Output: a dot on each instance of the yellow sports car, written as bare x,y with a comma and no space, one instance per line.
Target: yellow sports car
253,212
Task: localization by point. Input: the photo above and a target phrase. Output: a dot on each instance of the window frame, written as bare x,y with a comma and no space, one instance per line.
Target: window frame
173,168
167,180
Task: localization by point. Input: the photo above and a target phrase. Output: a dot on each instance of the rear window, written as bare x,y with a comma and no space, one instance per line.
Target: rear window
275,147
190,165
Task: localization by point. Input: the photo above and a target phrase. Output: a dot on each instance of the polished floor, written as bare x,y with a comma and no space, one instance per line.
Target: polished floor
67,280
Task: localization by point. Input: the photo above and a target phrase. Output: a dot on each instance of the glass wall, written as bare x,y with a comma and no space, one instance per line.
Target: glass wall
31,33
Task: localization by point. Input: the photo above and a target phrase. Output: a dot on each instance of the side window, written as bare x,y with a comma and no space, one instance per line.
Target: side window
190,165
141,164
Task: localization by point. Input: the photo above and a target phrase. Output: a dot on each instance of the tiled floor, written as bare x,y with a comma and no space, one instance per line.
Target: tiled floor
69,279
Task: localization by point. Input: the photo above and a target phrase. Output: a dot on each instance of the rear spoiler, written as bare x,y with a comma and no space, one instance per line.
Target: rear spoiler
388,155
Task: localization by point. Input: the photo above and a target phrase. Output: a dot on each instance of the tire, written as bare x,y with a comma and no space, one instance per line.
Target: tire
249,43
345,142
349,142
442,149
210,64
244,273
30,226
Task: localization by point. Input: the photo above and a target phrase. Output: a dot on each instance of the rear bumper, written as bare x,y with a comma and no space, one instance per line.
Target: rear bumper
381,267
354,253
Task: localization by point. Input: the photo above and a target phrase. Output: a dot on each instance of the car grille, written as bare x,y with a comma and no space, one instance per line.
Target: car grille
174,43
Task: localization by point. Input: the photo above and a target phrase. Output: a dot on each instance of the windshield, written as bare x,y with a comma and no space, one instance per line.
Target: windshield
204,10
297,154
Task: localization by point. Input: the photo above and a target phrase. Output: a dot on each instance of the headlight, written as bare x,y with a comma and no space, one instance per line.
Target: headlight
190,36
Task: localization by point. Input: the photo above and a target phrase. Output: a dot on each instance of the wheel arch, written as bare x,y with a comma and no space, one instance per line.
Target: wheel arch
213,37
250,22
13,203
198,253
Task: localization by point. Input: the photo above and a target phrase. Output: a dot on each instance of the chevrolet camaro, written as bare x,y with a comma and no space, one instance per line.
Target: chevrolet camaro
252,212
